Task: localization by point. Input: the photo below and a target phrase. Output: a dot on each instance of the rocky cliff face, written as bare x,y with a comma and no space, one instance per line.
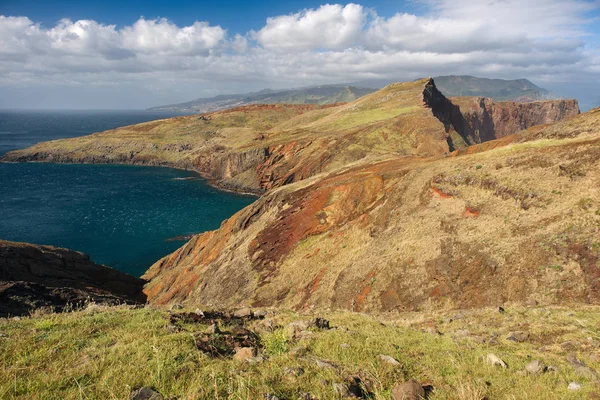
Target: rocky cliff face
33,276
482,119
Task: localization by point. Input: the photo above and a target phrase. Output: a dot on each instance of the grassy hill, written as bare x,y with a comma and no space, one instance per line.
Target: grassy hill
108,352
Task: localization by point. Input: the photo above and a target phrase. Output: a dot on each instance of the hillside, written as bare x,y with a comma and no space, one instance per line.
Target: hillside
520,90
259,147
541,353
327,94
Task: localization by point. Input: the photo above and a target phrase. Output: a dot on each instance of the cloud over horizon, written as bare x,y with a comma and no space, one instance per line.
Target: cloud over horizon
548,41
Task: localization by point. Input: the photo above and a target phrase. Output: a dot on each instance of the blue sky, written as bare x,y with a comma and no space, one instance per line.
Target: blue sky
137,54
236,16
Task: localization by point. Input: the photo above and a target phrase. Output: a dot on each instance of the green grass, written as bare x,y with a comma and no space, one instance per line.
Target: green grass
103,355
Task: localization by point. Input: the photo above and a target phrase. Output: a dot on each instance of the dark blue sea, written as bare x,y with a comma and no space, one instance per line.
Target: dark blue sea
122,216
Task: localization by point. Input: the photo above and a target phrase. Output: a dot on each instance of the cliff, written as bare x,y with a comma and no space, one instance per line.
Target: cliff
33,276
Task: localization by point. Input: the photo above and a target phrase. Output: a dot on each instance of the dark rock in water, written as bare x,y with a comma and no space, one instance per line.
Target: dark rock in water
62,268
145,393
22,298
182,238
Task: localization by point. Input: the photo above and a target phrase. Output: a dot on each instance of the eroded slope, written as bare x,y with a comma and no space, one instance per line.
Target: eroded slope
516,223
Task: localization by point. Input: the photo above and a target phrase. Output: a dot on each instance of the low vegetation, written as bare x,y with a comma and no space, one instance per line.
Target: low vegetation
107,353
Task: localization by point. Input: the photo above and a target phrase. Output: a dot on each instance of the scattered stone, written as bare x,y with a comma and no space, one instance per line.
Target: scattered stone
321,323
265,326
293,371
411,390
345,346
260,313
270,396
3,335
432,330
518,336
342,390
324,364
462,333
495,360
244,353
173,328
551,368
145,393
226,344
535,367
388,359
245,312
175,306
16,318
213,329
199,312
574,386
581,368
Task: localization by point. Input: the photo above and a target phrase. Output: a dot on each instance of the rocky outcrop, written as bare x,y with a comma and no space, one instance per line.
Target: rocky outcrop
35,275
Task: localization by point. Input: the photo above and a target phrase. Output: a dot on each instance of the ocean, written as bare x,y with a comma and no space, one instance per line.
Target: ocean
126,217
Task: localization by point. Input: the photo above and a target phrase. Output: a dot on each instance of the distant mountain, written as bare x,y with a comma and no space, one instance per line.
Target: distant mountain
498,89
521,90
310,95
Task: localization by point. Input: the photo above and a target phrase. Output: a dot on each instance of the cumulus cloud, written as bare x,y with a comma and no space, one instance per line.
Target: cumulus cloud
544,40
330,26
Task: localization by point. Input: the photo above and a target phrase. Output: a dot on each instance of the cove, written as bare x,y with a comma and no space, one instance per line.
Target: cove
122,216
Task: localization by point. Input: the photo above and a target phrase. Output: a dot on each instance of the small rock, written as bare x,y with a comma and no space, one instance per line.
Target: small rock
244,353
173,328
199,312
321,323
260,313
324,364
16,318
243,313
501,310
145,393
3,335
411,390
300,325
535,367
270,396
388,359
341,389
255,360
581,368
574,386
265,326
293,371
432,330
531,303
175,306
213,329
495,360
345,346
462,333
518,336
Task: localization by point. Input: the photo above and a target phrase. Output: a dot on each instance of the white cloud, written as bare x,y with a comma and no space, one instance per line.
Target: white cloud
331,26
544,40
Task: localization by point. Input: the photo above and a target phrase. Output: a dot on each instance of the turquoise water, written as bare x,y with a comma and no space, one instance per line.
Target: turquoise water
122,216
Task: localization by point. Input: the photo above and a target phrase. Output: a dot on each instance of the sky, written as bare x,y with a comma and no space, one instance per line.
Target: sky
139,54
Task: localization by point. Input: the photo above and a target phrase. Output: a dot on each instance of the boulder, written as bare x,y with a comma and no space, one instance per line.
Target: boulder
410,390
145,393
